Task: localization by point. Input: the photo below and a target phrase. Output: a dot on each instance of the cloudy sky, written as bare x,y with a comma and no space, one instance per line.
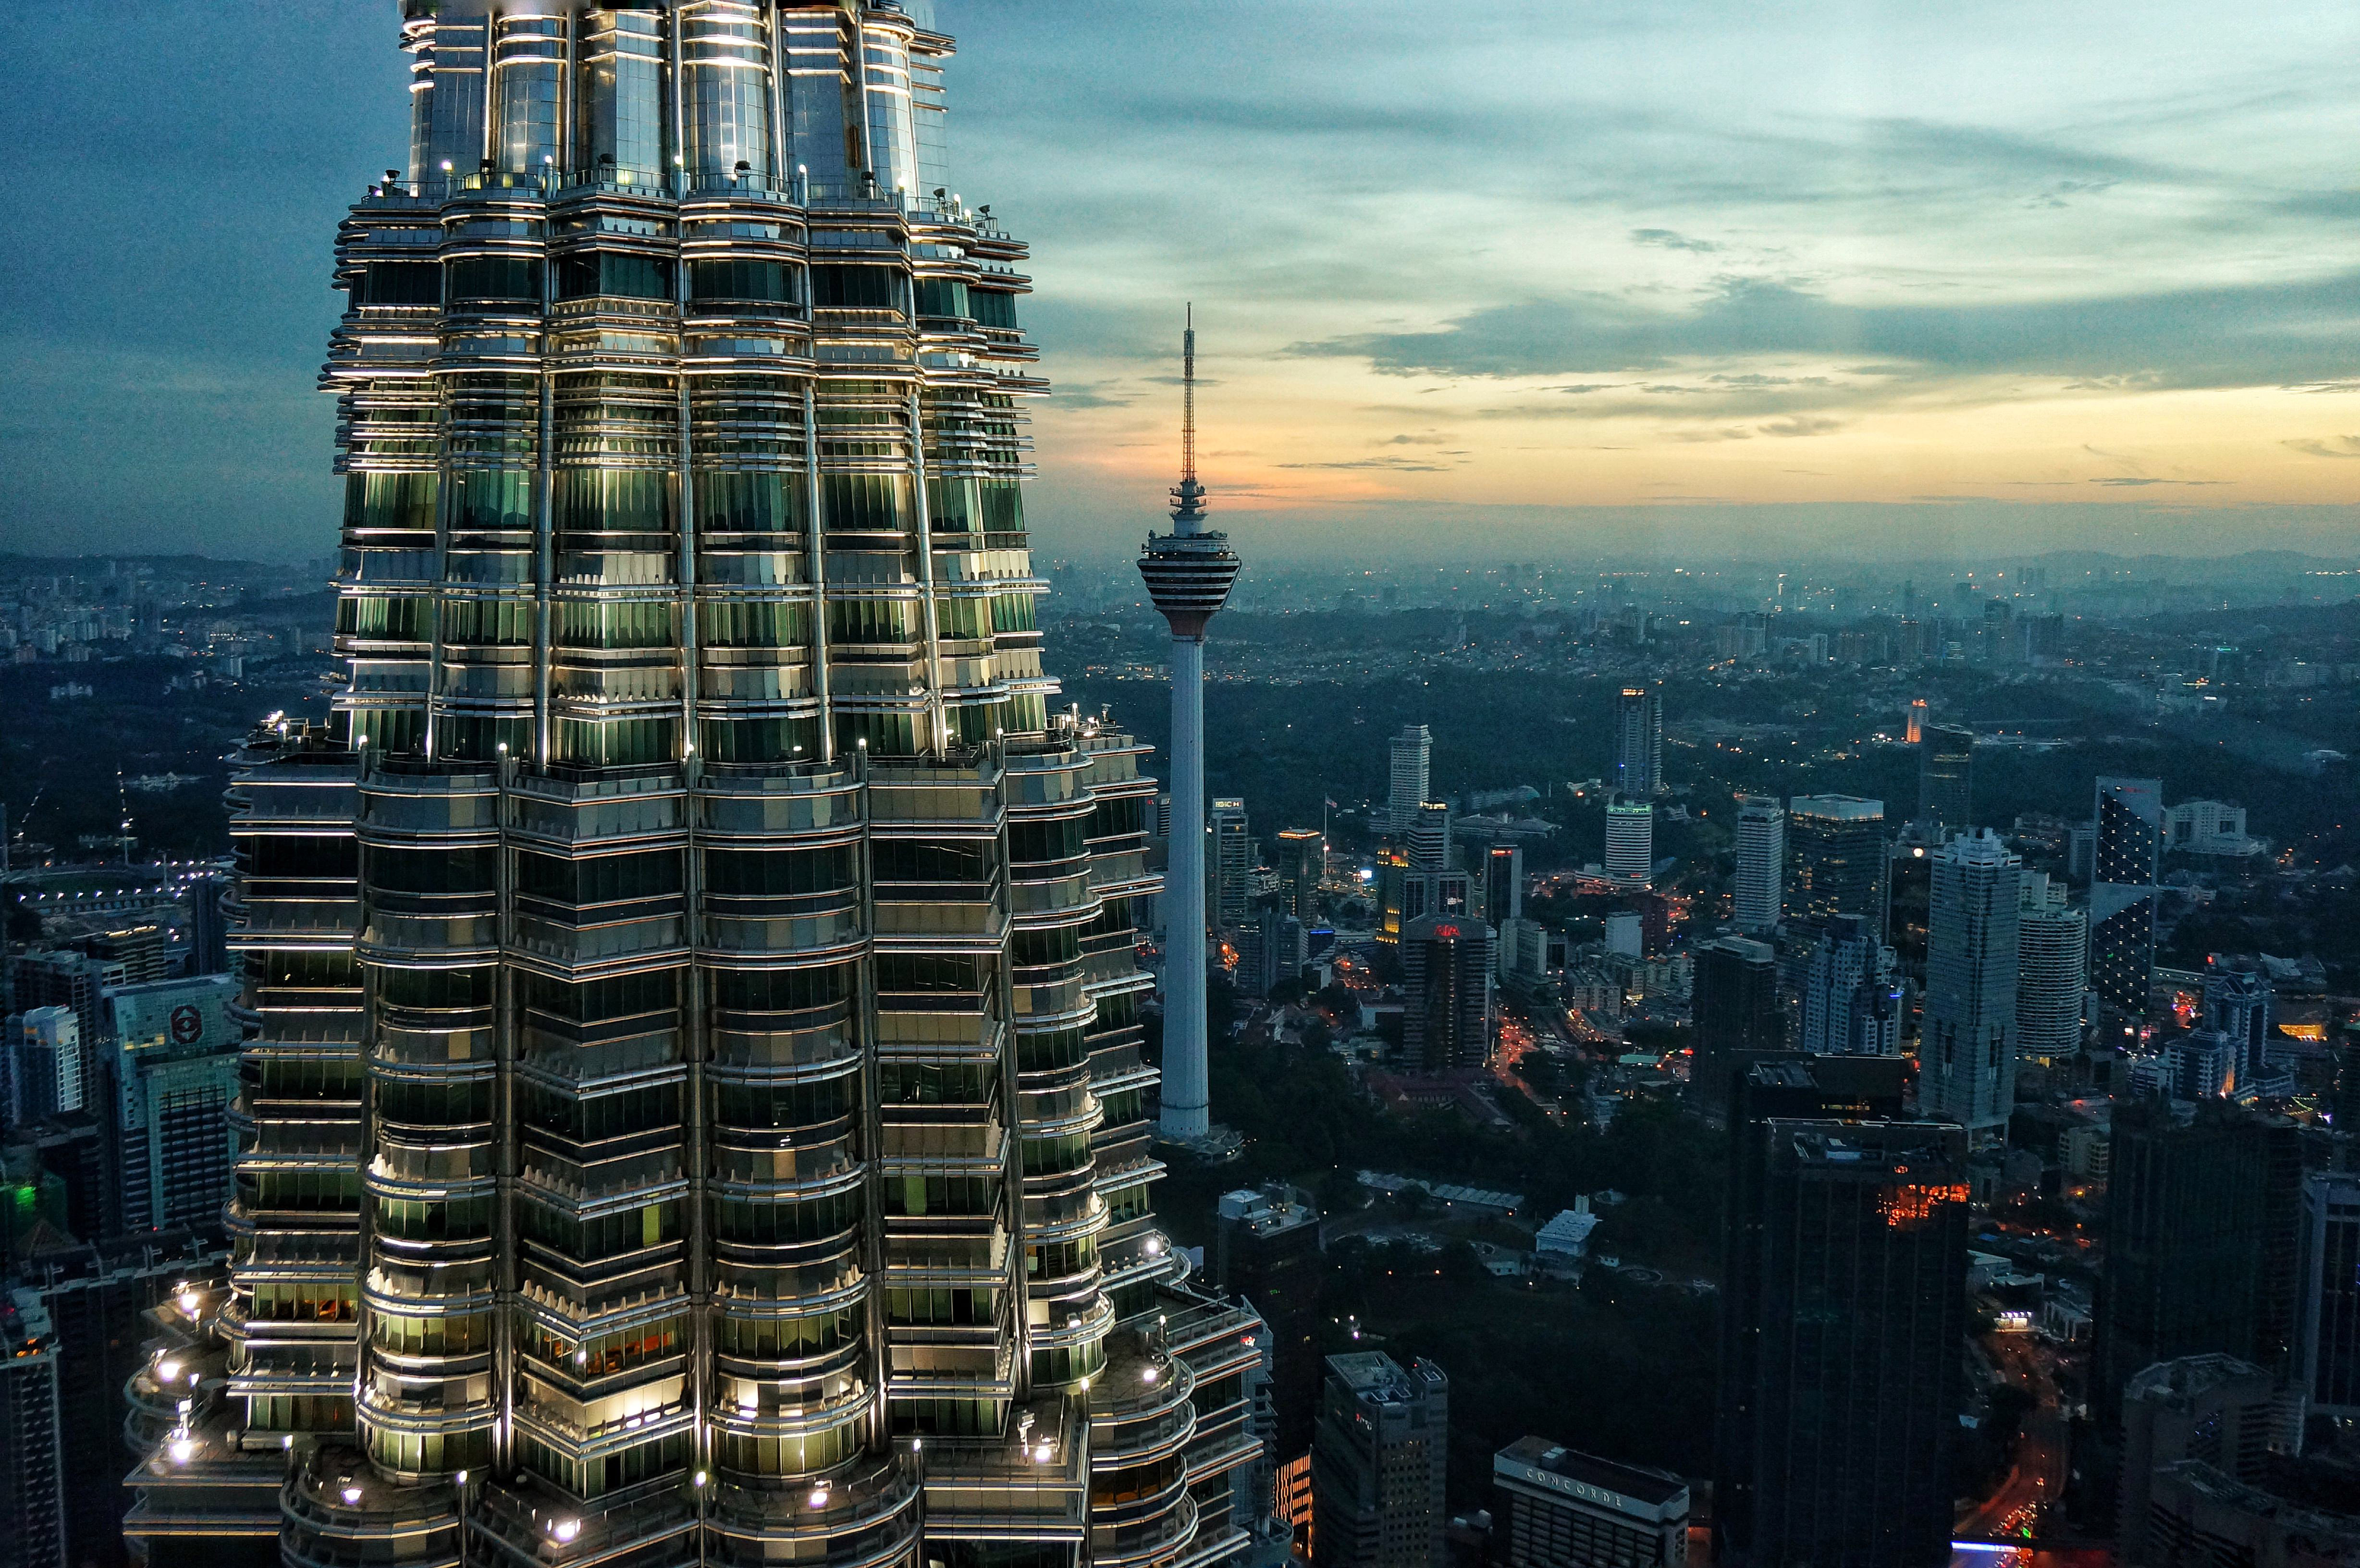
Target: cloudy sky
1875,278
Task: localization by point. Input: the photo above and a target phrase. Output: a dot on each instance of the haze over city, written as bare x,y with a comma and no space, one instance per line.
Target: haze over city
1870,280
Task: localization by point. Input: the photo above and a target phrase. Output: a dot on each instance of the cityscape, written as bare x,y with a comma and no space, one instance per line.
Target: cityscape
688,972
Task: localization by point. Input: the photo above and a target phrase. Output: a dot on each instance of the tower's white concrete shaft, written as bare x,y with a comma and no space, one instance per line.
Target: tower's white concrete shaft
1188,573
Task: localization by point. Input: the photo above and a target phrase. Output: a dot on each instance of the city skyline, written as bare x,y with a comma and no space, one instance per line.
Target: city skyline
1927,290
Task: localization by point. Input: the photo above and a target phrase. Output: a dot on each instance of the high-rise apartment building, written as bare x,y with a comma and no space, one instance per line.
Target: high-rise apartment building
1378,1458
174,1076
1761,864
1231,857
1966,1054
1844,1415
2241,1006
2327,1302
1639,741
1301,861
1266,1250
1567,1510
46,1063
1851,993
2204,1206
1449,965
1631,837
1835,860
2126,852
1945,767
1408,782
695,1105
2052,970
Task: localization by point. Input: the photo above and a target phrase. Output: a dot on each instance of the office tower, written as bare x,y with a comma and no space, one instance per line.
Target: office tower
1407,781
2327,1302
2242,1008
1774,1087
2128,841
1266,1250
2204,1206
1572,1511
1378,1458
1301,861
32,1449
1851,993
1269,950
1848,1405
1761,864
1393,878
174,1076
46,1049
693,968
1835,860
208,925
1639,741
2214,1409
1231,857
1966,1055
1503,883
1945,765
1426,834
1189,572
1630,838
1916,716
2052,970
1446,1010
1733,1006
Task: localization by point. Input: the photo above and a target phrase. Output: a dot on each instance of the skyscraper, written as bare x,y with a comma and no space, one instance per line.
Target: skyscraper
2327,1304
2052,970
1427,835
46,1063
1407,782
1839,1425
175,1075
1232,855
696,1098
1835,860
2241,1006
2202,1220
1449,965
1189,572
1734,1005
32,1452
1631,837
2129,818
1301,861
1966,1058
1945,766
1378,1459
1503,883
1761,864
1639,741
1851,993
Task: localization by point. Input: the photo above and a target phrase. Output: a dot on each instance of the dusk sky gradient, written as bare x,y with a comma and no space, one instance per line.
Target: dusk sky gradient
1517,280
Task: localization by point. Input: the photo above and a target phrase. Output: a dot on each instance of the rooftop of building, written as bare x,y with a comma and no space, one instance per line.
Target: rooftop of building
2176,1382
1647,1485
1846,807
1377,1377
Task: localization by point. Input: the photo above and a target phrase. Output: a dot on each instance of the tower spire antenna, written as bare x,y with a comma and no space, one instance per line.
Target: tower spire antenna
1188,397
1188,495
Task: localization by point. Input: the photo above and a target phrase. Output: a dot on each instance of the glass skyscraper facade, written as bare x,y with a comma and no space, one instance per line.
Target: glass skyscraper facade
694,1110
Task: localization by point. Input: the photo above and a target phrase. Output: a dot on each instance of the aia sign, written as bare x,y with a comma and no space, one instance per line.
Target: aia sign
188,1025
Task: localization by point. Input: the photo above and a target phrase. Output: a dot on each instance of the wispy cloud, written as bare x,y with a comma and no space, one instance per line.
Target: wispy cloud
1670,239
2333,446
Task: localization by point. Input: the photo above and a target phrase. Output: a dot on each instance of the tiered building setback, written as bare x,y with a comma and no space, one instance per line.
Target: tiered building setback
694,1109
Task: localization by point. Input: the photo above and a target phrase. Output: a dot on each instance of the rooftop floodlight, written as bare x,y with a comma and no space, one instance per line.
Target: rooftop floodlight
460,1479
566,1530
182,1448
352,1493
819,1496
700,1478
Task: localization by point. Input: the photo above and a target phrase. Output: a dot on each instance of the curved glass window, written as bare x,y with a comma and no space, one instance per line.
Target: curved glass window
779,872
732,279
494,278
852,288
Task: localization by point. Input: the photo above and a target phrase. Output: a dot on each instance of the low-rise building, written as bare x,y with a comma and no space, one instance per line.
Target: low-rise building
1567,1510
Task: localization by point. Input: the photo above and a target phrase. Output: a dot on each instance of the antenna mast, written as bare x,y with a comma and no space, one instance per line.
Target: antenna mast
1188,397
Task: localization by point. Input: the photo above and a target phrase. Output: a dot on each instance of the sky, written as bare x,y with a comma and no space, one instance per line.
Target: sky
1842,278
